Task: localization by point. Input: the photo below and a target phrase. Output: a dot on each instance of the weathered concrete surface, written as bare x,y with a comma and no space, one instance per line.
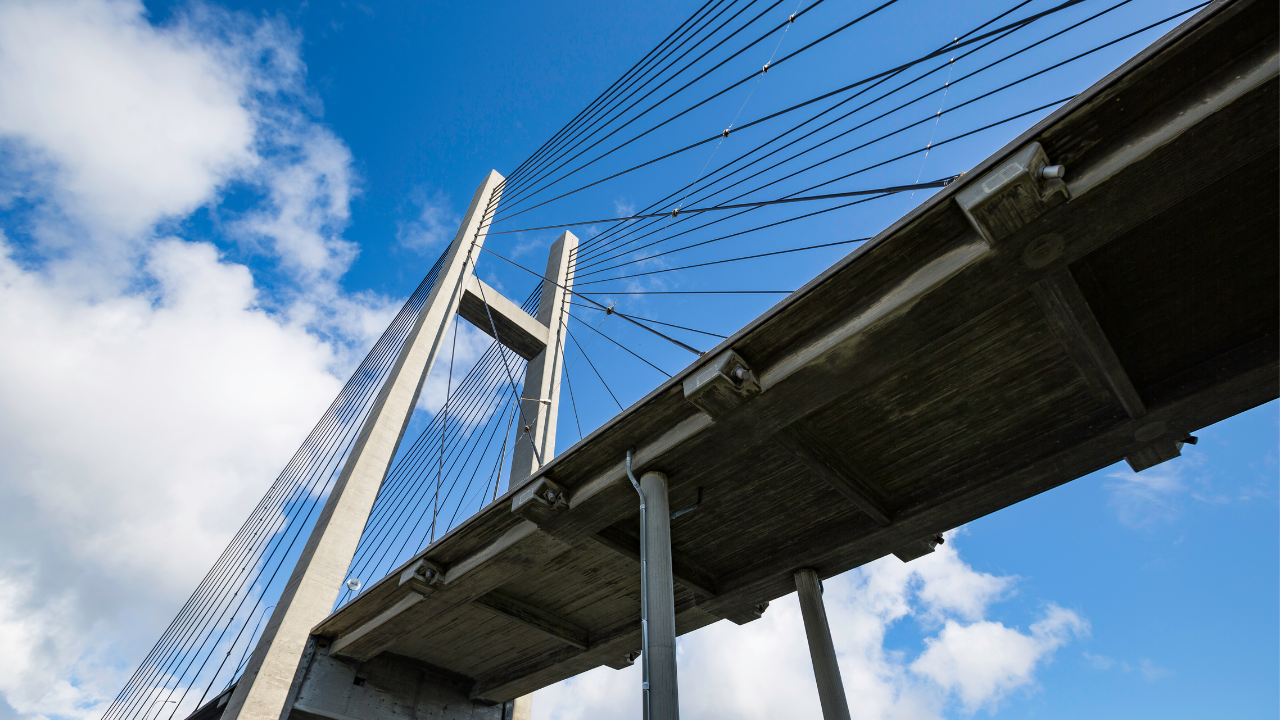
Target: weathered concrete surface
387,688
262,691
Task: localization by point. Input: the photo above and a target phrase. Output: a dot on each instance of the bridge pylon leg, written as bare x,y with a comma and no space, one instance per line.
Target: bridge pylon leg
262,692
826,671
540,404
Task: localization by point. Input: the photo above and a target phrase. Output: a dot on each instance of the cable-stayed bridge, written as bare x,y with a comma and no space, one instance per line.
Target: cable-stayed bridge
1098,289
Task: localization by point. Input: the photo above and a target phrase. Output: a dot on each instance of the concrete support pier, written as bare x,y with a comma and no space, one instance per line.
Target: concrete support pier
664,695
825,668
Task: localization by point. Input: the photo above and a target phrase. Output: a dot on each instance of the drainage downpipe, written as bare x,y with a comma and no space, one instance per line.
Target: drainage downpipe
644,597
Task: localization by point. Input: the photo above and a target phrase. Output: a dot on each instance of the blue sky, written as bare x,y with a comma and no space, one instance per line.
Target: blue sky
209,211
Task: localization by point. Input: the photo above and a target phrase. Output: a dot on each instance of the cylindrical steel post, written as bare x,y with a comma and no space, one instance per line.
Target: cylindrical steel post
825,668
664,695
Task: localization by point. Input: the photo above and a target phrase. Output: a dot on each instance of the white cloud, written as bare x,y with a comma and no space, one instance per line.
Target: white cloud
1145,667
433,228
123,125
150,387
1144,499
984,661
762,670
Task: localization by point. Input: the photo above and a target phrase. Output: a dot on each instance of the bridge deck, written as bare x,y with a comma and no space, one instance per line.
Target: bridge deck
935,375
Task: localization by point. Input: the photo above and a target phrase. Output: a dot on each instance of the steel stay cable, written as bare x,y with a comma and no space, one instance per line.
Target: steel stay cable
502,457
791,219
495,474
407,477
388,536
949,48
245,657
298,531
595,246
593,365
869,167
942,182
494,327
784,27
272,555
798,172
624,347
178,631
448,383
297,534
737,259
322,468
678,115
923,120
472,389
515,199
633,317
402,481
603,103
407,466
414,457
462,439
557,152
572,402
992,92
608,92
595,263
469,440
456,292
248,532
476,470
567,290
280,485
690,292
739,233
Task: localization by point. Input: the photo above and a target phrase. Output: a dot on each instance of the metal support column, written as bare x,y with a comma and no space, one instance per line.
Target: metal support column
664,696
825,668
262,692
541,397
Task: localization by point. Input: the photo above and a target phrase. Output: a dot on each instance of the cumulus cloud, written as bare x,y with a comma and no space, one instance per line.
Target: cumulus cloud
151,385
983,661
134,124
968,661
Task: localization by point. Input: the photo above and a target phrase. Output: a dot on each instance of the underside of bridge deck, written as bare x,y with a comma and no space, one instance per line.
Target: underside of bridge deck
1010,335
